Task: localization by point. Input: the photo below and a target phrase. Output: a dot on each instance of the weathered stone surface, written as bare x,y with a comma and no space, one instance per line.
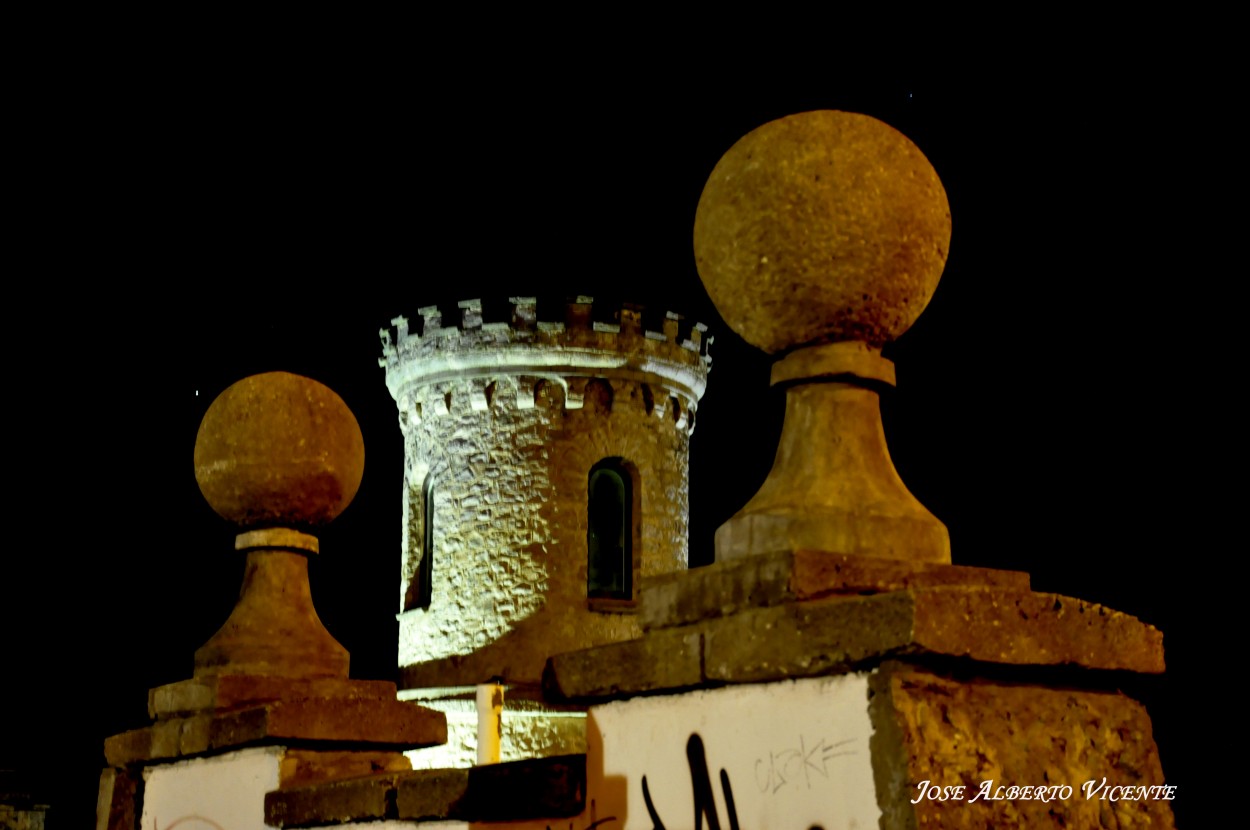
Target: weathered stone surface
170,738
994,626
503,422
821,226
540,788
716,590
332,802
818,574
115,804
274,628
277,453
774,578
531,729
1027,628
231,691
386,724
391,723
278,449
304,766
516,791
670,659
967,732
801,639
833,487
822,236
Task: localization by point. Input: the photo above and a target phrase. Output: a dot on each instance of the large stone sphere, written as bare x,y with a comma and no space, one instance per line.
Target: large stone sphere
278,449
819,227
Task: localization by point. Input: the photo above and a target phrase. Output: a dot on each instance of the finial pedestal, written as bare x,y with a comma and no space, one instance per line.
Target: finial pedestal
270,702
274,628
833,486
821,237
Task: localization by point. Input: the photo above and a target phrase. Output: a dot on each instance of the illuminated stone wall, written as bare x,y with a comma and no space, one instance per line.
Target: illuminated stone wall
506,420
530,730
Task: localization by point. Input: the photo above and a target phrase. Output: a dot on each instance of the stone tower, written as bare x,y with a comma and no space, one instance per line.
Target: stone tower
545,475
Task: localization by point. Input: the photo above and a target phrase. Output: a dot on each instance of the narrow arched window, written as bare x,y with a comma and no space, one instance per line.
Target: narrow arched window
609,531
425,573
419,566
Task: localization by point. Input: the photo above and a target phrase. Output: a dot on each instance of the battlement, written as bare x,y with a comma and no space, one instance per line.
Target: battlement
591,341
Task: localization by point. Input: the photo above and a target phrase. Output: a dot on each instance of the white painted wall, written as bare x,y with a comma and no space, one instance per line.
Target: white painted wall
796,755
225,792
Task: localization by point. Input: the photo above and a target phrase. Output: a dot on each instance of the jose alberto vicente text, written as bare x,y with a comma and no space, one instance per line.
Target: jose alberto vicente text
1090,790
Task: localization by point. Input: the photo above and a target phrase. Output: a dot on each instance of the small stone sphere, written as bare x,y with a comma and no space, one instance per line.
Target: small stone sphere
819,227
278,449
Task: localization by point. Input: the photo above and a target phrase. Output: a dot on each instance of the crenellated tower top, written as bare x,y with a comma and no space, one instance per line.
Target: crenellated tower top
592,340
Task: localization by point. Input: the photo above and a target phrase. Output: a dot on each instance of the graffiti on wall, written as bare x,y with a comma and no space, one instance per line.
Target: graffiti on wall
785,755
795,766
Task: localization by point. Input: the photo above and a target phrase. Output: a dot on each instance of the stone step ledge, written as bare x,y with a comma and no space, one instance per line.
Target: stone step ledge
771,579
378,724
235,691
809,638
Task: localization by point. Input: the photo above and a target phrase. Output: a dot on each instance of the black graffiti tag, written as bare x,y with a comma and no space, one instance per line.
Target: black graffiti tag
795,765
701,786
701,789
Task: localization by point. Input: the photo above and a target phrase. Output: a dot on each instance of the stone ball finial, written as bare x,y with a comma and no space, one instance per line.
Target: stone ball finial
279,450
820,227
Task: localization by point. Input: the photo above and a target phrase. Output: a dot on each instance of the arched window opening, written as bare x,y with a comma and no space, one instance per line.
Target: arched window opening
420,590
425,574
609,531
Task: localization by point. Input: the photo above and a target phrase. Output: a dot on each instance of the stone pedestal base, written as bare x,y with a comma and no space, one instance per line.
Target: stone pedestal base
296,732
978,753
970,680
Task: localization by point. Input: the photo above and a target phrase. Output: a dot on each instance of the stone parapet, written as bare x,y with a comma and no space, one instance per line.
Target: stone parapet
775,578
330,721
814,637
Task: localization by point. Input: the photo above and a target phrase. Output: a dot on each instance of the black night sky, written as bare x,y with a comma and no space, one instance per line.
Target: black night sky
1055,408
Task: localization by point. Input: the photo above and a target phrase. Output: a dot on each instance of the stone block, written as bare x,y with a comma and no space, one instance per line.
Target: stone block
235,691
304,766
332,802
670,659
954,733
389,724
552,787
384,723
816,574
1012,627
715,591
774,578
1026,628
434,794
115,804
804,639
813,637
171,738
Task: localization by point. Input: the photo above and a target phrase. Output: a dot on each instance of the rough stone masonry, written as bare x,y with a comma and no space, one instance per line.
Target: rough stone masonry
503,422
